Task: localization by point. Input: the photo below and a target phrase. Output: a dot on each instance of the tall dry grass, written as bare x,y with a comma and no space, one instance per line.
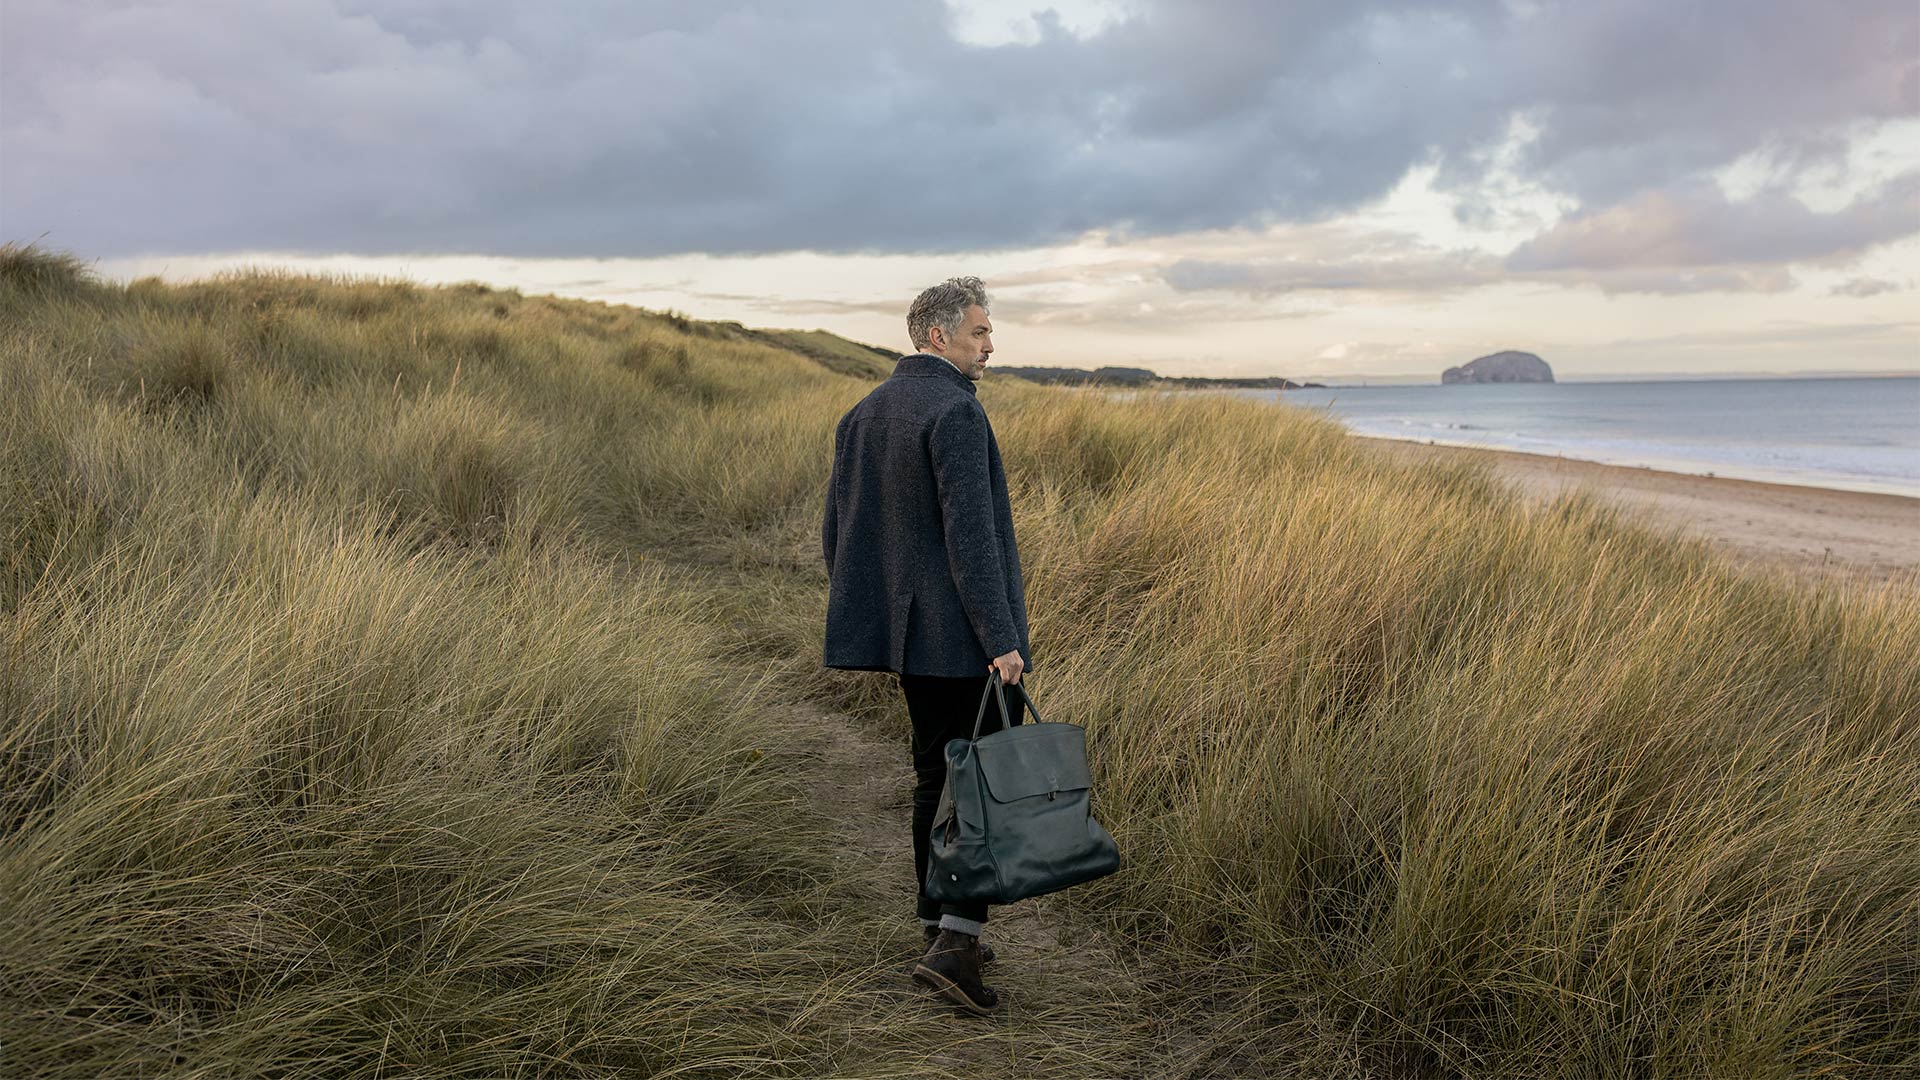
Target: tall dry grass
1493,789
347,728
387,671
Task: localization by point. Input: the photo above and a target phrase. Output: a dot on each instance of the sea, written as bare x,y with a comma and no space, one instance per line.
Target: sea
1855,434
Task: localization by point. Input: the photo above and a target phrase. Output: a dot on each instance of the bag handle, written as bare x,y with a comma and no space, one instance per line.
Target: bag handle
1006,721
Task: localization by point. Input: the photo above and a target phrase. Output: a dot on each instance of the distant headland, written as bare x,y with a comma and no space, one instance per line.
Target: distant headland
1142,377
1509,366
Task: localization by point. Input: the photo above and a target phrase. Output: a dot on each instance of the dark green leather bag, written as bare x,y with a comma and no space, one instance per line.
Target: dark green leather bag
1015,818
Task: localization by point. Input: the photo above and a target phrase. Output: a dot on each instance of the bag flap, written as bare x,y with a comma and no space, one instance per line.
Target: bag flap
1033,759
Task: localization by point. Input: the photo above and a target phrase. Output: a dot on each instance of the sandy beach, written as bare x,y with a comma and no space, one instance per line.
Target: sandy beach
1812,531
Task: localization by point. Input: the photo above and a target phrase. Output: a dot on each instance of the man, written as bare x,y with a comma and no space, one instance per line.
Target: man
925,577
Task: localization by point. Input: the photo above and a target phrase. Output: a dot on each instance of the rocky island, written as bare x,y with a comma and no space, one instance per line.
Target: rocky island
1509,366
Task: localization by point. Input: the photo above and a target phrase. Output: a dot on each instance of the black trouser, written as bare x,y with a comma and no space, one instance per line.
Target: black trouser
943,709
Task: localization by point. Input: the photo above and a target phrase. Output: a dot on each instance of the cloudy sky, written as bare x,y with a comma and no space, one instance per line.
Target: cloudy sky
1219,187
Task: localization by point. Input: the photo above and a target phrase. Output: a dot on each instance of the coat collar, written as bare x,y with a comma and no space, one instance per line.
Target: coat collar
929,365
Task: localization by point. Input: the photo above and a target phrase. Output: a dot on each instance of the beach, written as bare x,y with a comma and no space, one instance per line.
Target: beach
1815,532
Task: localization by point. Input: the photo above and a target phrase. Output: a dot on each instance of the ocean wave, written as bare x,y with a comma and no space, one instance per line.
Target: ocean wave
1431,425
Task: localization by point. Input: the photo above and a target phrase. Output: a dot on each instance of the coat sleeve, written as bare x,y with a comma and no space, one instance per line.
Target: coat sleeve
830,523
957,445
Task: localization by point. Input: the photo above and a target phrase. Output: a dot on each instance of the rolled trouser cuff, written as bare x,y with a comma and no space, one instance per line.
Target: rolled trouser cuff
969,927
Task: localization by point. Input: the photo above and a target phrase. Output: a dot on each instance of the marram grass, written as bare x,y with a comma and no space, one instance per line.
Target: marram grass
388,676
343,732
1497,789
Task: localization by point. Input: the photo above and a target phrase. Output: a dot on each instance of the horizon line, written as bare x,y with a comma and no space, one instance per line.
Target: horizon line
1624,376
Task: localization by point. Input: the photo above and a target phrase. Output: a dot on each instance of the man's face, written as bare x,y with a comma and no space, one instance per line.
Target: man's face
970,346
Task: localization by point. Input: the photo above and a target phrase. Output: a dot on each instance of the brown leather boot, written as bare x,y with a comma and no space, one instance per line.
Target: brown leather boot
952,968
986,950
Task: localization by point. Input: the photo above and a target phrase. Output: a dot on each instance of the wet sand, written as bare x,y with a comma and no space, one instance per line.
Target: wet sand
1815,532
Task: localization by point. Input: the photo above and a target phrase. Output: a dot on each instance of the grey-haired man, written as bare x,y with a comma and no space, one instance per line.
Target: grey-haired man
925,576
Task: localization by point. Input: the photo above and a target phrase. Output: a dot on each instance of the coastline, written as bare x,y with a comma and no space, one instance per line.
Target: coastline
1813,532
1672,466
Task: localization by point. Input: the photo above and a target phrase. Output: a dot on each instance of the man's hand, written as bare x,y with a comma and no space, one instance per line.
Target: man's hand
1009,666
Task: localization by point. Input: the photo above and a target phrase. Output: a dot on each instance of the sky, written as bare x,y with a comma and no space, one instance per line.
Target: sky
1332,191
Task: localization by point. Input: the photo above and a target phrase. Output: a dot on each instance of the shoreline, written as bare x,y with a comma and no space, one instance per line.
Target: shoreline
1672,466
1813,532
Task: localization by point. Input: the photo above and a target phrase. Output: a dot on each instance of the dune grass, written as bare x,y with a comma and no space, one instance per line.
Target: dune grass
1503,790
388,669
347,729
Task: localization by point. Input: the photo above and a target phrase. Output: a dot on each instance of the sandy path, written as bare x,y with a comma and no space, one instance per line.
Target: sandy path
1811,531
1072,1006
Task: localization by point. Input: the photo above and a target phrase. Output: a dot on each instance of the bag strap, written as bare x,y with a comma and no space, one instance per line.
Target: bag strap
1006,721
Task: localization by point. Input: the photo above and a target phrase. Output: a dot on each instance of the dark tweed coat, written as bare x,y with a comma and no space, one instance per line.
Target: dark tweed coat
923,571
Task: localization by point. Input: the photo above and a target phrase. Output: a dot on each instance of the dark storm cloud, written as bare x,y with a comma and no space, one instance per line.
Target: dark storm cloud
864,125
